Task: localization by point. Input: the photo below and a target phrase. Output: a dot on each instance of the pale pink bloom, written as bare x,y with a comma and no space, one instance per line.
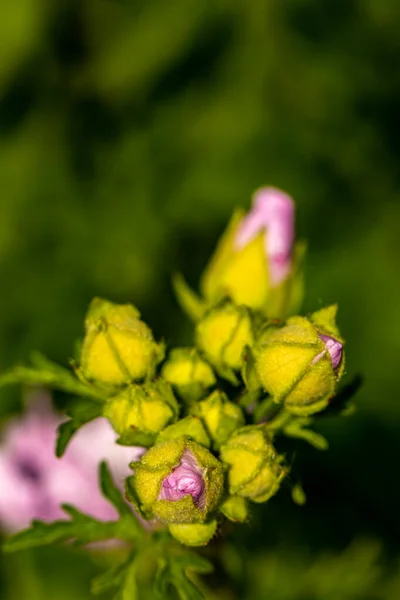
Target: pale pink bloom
186,478
34,483
272,213
334,347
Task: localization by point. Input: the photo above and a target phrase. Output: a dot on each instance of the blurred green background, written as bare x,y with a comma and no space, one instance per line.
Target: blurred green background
129,130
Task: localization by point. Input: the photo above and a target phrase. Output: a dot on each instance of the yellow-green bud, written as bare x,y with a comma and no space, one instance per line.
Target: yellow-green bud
190,427
140,412
190,375
193,534
118,347
235,509
255,468
223,334
177,481
220,416
256,262
300,363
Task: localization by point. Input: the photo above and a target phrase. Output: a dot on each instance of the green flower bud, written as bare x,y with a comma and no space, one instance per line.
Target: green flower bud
139,412
190,375
193,534
118,347
220,416
255,469
235,509
178,481
190,427
223,334
300,363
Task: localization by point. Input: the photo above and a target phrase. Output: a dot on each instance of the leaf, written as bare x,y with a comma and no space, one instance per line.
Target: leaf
85,411
112,493
172,573
189,301
129,590
46,373
114,577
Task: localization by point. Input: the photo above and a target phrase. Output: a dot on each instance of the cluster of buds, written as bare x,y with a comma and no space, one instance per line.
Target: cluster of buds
205,454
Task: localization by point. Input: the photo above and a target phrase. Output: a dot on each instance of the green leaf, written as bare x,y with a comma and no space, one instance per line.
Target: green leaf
46,373
190,302
112,493
129,589
172,573
114,577
81,413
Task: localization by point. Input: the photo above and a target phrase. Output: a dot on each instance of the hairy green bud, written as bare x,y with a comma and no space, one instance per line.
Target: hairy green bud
118,347
193,534
178,481
189,374
223,334
300,363
255,469
220,416
140,412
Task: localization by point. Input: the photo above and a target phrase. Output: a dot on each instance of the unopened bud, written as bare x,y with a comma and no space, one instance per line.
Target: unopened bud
189,374
255,469
300,363
223,334
220,416
178,481
140,412
193,534
118,347
255,263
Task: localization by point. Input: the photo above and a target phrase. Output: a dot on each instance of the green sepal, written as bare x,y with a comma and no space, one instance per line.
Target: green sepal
189,301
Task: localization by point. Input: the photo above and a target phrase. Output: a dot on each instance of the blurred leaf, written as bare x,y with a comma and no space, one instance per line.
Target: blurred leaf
113,494
82,412
46,373
114,577
190,302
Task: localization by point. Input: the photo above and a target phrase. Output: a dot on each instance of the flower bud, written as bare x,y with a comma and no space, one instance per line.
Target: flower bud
189,374
118,347
139,412
178,481
255,469
255,263
220,416
300,363
190,427
235,509
193,534
223,334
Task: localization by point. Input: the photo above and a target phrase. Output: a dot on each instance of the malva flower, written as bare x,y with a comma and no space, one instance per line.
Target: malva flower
34,483
186,478
255,263
301,362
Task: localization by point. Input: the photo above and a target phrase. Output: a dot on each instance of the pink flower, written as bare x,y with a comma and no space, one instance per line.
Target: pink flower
334,347
186,478
34,483
272,213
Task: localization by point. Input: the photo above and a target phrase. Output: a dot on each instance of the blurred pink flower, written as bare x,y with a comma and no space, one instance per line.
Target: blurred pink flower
34,483
272,212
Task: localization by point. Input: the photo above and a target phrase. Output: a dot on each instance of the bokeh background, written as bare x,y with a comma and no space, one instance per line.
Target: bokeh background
129,130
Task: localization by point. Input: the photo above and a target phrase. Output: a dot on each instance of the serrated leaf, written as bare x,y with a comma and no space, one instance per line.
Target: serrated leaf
46,373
